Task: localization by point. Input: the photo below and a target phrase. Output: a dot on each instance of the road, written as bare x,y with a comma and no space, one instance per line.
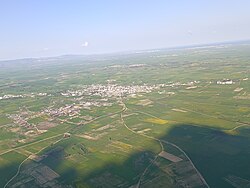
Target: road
123,122
160,141
23,146
19,167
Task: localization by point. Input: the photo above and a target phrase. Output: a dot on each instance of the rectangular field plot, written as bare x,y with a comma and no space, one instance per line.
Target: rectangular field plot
170,156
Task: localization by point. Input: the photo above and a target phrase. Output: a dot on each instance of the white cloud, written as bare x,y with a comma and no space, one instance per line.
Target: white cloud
85,44
45,49
189,32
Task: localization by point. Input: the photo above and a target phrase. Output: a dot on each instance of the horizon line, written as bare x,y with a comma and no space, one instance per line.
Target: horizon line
134,51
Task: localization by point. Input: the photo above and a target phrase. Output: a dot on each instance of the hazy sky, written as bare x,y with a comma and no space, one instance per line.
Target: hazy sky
38,28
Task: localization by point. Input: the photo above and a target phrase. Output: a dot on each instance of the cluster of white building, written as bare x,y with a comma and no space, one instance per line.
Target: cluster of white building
68,110
17,119
225,82
111,90
191,83
11,96
127,66
74,109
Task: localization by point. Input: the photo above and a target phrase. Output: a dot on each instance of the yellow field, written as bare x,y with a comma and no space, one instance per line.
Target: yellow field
122,145
243,109
156,121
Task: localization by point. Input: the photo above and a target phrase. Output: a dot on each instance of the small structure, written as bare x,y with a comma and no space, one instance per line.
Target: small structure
225,82
66,135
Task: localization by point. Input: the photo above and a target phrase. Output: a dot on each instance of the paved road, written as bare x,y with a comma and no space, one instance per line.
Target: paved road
160,141
23,146
19,167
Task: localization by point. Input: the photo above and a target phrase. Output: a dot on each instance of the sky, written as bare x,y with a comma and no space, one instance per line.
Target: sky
41,28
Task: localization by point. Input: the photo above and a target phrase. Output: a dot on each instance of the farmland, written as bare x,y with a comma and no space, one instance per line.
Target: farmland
167,118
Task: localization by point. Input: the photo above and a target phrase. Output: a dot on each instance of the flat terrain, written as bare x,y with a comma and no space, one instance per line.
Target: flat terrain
169,118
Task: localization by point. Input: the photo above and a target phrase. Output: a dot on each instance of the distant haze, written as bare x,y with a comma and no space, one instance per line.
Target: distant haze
49,28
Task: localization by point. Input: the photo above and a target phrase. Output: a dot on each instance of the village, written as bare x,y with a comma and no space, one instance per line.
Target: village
113,90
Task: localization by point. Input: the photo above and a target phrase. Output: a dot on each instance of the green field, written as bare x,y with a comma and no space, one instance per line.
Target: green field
158,119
